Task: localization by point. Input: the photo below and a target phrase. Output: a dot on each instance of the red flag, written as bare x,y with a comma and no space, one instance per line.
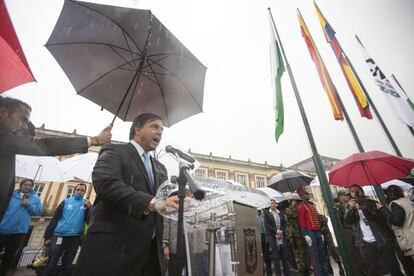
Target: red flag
322,71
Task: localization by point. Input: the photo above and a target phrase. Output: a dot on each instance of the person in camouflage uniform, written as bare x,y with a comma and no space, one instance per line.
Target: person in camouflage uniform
296,240
330,248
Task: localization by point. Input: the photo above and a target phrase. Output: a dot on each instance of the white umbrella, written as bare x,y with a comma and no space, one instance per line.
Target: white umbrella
369,190
272,193
402,184
171,164
79,166
39,168
316,181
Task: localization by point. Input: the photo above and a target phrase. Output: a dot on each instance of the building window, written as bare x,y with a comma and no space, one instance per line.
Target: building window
70,190
260,181
38,188
200,173
241,178
221,175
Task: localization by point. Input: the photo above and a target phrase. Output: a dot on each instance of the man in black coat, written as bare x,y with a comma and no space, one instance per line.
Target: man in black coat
372,234
125,233
14,120
275,229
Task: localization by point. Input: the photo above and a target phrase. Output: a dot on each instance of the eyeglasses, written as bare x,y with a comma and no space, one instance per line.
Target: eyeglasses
80,190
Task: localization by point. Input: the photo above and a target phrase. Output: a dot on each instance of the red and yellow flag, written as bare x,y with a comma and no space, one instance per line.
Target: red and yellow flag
322,71
349,74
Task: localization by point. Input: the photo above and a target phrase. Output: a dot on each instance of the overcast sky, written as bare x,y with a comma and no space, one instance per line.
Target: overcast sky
231,38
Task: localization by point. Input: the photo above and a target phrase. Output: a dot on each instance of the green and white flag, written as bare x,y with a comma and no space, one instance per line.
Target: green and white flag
277,67
398,101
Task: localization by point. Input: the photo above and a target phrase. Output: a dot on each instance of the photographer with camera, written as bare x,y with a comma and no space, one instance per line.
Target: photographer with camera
14,226
373,237
400,215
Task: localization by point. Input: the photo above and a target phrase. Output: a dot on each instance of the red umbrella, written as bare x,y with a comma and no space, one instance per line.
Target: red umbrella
369,168
14,69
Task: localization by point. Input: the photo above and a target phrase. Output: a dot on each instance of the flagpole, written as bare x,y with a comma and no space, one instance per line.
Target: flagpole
378,190
318,165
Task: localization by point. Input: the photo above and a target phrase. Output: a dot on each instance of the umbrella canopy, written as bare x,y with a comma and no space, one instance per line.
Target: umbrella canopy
126,61
273,194
14,69
288,181
250,196
39,168
369,168
79,166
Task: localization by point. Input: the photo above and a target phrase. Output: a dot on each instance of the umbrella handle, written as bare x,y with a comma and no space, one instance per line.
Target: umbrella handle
113,120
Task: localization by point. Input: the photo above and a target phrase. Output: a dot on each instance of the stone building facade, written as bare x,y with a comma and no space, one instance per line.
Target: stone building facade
248,173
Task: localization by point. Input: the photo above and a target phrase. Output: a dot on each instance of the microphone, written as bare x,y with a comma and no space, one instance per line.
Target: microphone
193,185
182,155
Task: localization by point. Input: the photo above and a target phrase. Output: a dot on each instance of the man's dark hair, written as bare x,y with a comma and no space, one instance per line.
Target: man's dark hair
140,121
81,184
12,105
394,192
26,180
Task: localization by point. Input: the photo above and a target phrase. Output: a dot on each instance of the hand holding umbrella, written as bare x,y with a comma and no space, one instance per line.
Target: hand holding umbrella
104,137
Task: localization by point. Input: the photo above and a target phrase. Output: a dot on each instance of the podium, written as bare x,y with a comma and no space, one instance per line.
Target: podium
232,229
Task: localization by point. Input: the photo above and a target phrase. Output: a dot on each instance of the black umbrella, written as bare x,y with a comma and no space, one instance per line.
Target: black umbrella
408,179
289,181
126,61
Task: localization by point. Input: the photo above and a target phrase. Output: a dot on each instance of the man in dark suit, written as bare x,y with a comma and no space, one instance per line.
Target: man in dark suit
125,233
275,229
14,119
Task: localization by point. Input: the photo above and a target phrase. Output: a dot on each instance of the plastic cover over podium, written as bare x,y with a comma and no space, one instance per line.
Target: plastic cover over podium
228,213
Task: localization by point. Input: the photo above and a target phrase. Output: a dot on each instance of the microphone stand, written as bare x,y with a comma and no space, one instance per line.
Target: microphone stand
183,177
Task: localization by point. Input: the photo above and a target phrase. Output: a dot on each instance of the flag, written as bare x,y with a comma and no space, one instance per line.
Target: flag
322,71
397,100
277,67
394,79
347,70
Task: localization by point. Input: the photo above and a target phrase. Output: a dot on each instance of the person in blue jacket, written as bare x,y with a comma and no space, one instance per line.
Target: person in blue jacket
65,230
15,224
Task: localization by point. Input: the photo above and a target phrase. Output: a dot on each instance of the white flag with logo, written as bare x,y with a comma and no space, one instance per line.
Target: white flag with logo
396,98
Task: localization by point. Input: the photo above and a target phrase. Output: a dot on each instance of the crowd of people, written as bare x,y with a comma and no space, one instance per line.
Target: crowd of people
124,234
127,236
379,239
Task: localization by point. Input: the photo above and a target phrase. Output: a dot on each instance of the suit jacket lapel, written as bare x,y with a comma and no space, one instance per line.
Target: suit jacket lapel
135,156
